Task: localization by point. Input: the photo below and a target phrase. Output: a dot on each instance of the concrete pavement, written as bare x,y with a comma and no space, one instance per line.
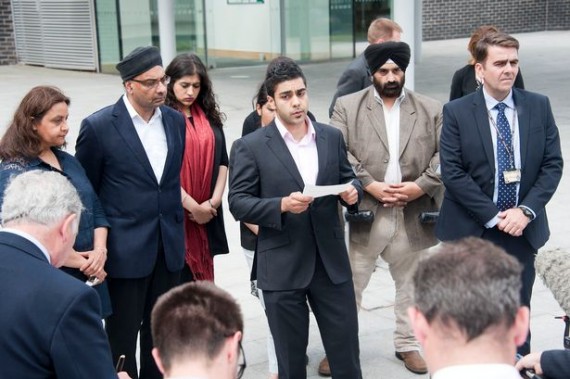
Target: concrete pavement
543,58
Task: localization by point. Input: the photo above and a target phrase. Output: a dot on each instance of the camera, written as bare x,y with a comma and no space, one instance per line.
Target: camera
527,373
354,215
429,217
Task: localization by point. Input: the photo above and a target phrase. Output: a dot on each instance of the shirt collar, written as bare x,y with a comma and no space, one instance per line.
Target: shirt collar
285,134
490,101
30,238
133,113
493,370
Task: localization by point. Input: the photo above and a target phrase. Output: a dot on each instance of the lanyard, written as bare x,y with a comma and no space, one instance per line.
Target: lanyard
510,149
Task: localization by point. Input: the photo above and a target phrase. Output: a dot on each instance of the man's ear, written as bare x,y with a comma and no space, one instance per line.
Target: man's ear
232,351
68,227
419,324
520,326
157,360
271,100
479,70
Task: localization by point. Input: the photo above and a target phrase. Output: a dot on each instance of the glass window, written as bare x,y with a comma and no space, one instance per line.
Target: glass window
108,35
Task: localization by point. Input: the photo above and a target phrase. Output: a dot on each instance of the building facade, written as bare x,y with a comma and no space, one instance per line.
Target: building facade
95,34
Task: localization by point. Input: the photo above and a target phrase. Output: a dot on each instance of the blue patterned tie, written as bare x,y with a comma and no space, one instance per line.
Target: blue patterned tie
507,194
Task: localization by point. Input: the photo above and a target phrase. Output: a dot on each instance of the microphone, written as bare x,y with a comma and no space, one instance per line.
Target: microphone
354,215
553,267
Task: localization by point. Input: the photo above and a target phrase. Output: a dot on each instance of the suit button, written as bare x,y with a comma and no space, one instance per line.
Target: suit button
160,215
386,160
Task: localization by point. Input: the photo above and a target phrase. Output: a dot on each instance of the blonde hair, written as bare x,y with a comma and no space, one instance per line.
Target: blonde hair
382,28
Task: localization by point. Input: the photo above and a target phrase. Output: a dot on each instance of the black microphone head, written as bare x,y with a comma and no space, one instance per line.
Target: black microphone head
553,267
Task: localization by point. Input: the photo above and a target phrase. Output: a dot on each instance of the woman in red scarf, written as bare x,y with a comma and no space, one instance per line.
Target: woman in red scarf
205,166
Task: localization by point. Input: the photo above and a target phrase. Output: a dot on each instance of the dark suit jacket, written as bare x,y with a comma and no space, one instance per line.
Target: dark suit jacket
463,82
262,172
468,165
50,322
555,364
251,123
139,209
355,78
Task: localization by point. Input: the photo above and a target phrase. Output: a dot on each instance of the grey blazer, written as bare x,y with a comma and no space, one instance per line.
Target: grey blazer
360,118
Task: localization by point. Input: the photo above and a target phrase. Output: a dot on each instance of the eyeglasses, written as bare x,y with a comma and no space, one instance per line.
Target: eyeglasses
241,366
153,83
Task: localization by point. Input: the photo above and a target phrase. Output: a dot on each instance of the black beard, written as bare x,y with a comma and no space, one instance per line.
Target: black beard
390,90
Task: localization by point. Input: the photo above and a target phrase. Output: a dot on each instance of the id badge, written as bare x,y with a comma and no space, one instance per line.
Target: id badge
512,176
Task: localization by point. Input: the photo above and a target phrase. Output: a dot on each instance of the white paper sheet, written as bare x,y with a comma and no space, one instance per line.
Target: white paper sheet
318,191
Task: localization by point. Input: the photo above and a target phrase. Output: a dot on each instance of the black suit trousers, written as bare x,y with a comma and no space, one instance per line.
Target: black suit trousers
334,307
525,254
132,301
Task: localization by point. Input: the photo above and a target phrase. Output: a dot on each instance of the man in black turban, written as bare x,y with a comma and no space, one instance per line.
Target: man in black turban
378,54
132,153
390,56
392,137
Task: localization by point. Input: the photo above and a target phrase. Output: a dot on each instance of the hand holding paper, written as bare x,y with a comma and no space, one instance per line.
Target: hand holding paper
350,196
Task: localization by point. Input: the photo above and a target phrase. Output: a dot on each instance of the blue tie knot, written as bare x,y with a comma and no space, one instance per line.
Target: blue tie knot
501,107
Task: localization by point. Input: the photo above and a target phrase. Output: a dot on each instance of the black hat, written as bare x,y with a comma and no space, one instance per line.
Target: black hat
138,61
379,53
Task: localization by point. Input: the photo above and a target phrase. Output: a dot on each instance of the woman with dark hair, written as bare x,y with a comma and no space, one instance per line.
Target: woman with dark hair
204,167
33,141
464,80
262,114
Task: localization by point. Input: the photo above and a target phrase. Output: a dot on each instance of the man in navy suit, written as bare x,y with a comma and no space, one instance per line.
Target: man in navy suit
301,253
500,161
132,153
49,321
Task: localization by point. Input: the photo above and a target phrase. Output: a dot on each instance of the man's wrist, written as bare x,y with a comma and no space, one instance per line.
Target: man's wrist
527,212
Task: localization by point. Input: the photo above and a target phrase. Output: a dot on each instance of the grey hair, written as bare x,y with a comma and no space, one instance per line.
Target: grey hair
470,285
40,197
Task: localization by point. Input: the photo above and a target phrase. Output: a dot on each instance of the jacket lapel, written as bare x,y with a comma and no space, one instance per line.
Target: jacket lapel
124,126
523,118
277,145
376,118
170,143
408,119
322,149
482,122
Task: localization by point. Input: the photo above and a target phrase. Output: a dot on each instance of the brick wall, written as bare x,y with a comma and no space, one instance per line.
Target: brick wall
558,15
445,19
7,45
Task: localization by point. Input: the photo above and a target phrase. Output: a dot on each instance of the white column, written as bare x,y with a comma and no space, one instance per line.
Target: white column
404,15
166,30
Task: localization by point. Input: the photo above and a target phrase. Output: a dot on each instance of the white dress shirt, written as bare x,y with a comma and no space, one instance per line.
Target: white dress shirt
152,136
304,152
480,371
392,121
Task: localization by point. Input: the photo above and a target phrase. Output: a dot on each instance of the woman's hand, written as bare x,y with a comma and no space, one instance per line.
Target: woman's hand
202,213
94,263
